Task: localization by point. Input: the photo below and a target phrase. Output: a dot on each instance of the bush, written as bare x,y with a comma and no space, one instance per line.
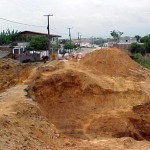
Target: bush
135,48
140,59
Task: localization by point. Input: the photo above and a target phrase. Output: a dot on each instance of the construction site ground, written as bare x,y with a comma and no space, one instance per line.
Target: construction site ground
101,102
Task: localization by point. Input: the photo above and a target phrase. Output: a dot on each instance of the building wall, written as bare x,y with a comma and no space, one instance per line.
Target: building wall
127,40
121,46
54,40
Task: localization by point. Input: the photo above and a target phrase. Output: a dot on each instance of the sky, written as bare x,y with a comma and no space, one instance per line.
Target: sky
92,18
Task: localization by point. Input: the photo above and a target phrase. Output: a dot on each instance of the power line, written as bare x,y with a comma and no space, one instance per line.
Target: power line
20,23
58,32
29,25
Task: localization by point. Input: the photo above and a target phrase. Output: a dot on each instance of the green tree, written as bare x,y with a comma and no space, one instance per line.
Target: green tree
69,46
145,39
138,38
38,42
7,37
116,35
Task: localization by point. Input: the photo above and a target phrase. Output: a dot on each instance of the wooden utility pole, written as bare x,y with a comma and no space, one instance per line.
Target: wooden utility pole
70,34
49,37
78,35
78,39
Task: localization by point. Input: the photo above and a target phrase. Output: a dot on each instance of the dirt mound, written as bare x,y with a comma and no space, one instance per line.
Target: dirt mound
22,124
111,62
9,71
74,109
13,72
74,102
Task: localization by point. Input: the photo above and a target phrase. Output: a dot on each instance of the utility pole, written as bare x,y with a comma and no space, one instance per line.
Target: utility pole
92,41
70,34
78,35
49,37
79,39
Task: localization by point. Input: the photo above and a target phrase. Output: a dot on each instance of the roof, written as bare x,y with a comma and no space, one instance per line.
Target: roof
38,33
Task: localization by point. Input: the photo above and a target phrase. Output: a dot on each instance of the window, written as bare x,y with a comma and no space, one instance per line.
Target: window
16,51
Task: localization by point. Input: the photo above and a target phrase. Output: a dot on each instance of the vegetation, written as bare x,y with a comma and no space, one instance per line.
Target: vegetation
141,60
116,35
38,42
7,37
99,41
146,41
138,38
69,46
141,48
137,48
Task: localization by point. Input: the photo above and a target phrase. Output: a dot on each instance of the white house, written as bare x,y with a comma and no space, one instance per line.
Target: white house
127,39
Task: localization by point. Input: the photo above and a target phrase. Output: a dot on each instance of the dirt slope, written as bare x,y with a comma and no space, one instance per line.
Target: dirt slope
12,72
78,105
71,99
23,127
112,62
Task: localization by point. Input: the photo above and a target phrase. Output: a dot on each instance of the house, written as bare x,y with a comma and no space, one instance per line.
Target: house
29,34
127,40
85,42
19,46
124,42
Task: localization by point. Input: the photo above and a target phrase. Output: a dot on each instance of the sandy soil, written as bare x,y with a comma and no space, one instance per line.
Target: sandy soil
98,103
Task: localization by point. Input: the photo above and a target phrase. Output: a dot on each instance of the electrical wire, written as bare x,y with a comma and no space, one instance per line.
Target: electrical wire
28,24
20,23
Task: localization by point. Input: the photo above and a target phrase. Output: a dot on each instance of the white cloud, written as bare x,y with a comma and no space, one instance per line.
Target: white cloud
90,17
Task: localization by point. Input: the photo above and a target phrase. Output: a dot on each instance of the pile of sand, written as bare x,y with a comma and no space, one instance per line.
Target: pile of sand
91,104
75,101
113,62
